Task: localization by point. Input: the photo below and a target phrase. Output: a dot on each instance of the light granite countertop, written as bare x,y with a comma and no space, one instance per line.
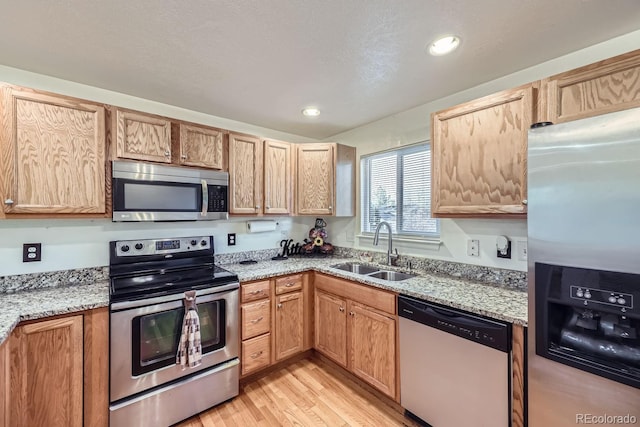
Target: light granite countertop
499,302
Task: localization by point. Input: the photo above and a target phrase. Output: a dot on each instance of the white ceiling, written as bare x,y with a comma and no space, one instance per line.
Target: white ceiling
262,61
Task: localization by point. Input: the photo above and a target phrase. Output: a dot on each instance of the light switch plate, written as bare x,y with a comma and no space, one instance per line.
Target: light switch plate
522,250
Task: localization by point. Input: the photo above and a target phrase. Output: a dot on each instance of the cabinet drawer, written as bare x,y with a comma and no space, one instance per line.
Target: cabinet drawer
288,284
256,353
254,291
256,318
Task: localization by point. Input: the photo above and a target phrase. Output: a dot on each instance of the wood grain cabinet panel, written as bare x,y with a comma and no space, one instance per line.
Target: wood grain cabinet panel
331,327
141,136
47,373
479,155
603,87
277,177
372,347
315,179
289,325
52,153
198,146
245,171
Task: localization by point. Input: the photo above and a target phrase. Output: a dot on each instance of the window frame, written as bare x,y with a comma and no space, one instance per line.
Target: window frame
365,190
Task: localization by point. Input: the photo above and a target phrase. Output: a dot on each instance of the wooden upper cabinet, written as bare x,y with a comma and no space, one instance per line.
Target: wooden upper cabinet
52,153
315,179
198,146
603,87
277,177
245,174
479,155
140,136
46,373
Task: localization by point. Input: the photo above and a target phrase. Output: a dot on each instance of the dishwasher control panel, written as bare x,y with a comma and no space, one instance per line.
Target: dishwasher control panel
489,332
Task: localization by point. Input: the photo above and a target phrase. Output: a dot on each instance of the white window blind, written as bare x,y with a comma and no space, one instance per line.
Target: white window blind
396,188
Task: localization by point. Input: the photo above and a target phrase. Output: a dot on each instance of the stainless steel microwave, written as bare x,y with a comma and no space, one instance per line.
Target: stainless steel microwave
150,192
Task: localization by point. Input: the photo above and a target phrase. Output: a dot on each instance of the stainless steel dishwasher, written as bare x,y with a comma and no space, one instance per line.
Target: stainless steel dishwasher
455,367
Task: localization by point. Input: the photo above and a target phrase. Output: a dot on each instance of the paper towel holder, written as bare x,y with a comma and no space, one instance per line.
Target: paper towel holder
261,226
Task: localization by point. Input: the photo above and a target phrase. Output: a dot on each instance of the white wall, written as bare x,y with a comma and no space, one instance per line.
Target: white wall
413,126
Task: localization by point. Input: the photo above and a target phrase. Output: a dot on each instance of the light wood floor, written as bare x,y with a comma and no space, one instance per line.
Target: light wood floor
309,392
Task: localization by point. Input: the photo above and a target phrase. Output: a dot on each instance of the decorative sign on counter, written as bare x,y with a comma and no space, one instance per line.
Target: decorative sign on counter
315,245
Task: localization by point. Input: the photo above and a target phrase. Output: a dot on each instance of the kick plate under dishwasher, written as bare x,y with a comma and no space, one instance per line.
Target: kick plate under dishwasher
455,367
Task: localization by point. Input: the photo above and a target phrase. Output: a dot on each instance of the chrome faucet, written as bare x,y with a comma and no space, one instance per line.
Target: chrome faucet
376,237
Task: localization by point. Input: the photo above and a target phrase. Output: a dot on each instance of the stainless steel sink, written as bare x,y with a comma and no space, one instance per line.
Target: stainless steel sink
392,276
352,267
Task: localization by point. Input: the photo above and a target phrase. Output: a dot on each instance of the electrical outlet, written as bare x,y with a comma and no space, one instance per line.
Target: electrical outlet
473,247
522,250
231,239
31,252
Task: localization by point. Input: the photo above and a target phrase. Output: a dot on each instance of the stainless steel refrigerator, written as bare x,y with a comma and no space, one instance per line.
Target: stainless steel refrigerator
584,272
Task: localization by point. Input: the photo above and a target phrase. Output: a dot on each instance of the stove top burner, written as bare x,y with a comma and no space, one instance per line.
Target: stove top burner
163,269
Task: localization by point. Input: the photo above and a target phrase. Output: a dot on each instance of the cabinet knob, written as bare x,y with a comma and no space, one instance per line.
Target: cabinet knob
341,309
268,207
330,207
525,201
8,202
167,153
184,156
351,313
279,306
257,206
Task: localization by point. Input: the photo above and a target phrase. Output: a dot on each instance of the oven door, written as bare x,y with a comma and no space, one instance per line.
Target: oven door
144,338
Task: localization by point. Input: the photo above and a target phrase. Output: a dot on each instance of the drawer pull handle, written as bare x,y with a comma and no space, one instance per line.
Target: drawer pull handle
259,291
288,285
257,320
257,354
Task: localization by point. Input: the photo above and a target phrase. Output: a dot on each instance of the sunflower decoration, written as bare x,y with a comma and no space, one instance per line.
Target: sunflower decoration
317,242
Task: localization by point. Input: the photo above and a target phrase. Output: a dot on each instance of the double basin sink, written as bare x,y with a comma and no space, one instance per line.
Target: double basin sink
369,271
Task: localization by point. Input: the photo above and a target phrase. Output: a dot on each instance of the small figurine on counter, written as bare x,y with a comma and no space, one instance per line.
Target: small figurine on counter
317,243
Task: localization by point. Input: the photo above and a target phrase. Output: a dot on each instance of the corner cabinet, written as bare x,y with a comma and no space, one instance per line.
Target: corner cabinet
479,155
245,174
355,325
52,153
325,179
141,136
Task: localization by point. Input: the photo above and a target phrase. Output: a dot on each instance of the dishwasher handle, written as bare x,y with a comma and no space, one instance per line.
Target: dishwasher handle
484,331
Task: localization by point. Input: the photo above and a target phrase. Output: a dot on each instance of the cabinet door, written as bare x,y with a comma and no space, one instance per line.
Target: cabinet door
289,325
372,344
46,373
277,178
315,179
245,171
142,136
479,155
199,146
53,153
331,326
603,87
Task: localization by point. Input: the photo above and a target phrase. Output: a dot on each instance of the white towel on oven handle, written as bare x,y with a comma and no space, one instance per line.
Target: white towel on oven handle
189,353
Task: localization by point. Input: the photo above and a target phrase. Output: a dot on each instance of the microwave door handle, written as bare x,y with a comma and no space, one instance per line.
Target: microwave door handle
205,198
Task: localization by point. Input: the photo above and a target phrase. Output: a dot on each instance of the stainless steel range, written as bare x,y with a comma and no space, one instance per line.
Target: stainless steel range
149,279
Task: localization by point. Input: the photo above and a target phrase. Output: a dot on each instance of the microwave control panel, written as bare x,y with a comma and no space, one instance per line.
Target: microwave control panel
218,195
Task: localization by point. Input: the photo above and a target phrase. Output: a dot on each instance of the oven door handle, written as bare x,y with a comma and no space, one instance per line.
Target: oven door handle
125,305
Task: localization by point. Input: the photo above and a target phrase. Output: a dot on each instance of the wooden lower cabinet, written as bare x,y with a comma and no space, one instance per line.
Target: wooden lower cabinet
46,373
359,335
372,344
289,325
331,326
57,371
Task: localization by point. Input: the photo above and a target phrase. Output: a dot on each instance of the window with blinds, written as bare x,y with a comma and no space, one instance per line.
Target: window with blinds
396,187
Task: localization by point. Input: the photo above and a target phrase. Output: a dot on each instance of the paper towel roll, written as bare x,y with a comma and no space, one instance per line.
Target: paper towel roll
261,226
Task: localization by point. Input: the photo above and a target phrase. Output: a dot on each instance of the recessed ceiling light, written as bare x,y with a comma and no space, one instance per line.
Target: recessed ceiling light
311,112
444,45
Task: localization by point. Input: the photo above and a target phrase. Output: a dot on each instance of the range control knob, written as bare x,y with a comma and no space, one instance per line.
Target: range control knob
621,301
203,243
194,242
612,299
587,294
139,246
579,293
124,248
